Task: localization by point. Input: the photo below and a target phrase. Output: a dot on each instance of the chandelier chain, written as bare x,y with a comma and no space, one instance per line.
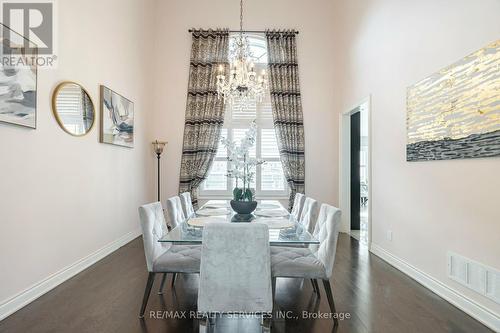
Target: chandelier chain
241,17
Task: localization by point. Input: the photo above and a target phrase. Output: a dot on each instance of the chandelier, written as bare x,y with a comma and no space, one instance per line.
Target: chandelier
244,86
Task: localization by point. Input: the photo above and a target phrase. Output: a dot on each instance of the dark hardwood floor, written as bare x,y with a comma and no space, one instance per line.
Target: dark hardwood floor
106,298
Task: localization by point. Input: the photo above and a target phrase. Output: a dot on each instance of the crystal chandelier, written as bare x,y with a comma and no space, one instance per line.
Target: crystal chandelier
243,86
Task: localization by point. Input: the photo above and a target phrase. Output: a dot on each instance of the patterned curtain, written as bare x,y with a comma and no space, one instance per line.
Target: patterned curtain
204,111
287,107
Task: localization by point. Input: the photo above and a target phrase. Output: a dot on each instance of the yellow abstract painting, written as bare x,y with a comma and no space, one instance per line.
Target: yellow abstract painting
455,112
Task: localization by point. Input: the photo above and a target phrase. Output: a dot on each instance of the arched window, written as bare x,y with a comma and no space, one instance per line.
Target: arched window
270,181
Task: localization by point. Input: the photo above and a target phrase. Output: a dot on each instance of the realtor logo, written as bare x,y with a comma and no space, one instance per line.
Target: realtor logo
30,26
32,20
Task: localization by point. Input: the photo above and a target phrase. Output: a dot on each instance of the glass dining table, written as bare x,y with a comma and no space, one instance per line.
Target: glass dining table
283,227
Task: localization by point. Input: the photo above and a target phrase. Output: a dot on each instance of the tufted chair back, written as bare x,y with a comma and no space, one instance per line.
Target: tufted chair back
327,232
235,273
309,214
174,211
187,204
153,228
298,203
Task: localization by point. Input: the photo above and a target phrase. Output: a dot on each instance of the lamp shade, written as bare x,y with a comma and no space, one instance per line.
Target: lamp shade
158,146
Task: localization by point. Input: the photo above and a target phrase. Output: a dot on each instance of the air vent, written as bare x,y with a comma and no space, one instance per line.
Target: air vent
476,276
493,285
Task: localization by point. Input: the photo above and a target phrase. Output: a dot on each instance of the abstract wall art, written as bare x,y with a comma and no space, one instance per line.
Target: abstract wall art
455,112
18,72
117,119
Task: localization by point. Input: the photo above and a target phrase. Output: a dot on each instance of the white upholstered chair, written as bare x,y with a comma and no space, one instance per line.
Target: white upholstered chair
314,262
163,257
187,204
175,213
309,214
235,274
178,210
298,203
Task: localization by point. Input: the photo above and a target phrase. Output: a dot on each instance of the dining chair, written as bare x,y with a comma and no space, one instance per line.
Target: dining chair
178,209
316,261
235,273
187,204
309,214
175,213
298,203
162,257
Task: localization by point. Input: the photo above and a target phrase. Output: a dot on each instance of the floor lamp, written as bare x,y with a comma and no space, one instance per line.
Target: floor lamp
158,148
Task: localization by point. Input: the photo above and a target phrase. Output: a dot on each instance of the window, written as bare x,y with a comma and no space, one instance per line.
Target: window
270,180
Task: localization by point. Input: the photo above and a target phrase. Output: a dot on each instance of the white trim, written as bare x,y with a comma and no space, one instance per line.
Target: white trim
475,310
345,167
344,171
30,294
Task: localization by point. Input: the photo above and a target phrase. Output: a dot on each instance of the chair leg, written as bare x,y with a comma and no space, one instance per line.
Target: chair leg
147,291
265,324
160,291
317,288
314,286
273,286
318,292
207,323
203,326
212,322
174,275
273,292
329,296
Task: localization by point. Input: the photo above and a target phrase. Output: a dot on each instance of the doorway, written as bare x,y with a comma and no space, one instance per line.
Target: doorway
355,173
355,185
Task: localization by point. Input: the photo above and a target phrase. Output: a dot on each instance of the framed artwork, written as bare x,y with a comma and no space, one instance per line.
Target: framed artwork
18,76
117,119
455,112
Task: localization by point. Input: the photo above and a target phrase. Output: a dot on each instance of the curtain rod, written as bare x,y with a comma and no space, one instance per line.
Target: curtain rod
249,31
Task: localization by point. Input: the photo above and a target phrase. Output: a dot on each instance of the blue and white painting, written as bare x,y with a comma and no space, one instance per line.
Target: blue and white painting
117,119
17,83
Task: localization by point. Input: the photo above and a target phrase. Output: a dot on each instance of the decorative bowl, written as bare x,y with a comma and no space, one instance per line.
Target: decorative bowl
243,207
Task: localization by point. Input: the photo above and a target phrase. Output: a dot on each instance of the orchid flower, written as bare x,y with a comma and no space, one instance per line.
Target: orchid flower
241,166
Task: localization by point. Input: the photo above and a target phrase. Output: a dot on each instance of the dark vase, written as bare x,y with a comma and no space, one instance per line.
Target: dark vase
243,207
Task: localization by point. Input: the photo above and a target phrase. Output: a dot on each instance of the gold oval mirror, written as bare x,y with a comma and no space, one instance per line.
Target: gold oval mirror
73,108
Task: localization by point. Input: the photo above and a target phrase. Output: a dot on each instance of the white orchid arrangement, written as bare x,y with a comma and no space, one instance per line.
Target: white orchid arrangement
241,165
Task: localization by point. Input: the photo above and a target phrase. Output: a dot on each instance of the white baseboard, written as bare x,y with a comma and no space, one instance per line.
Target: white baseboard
30,294
475,310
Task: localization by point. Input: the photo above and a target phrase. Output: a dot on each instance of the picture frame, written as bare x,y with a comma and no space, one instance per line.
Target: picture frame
117,118
454,112
18,79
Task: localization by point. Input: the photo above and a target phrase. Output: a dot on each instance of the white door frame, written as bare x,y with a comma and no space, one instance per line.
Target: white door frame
345,167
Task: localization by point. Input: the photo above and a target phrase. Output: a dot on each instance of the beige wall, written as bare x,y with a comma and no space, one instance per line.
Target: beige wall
311,18
431,207
61,197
